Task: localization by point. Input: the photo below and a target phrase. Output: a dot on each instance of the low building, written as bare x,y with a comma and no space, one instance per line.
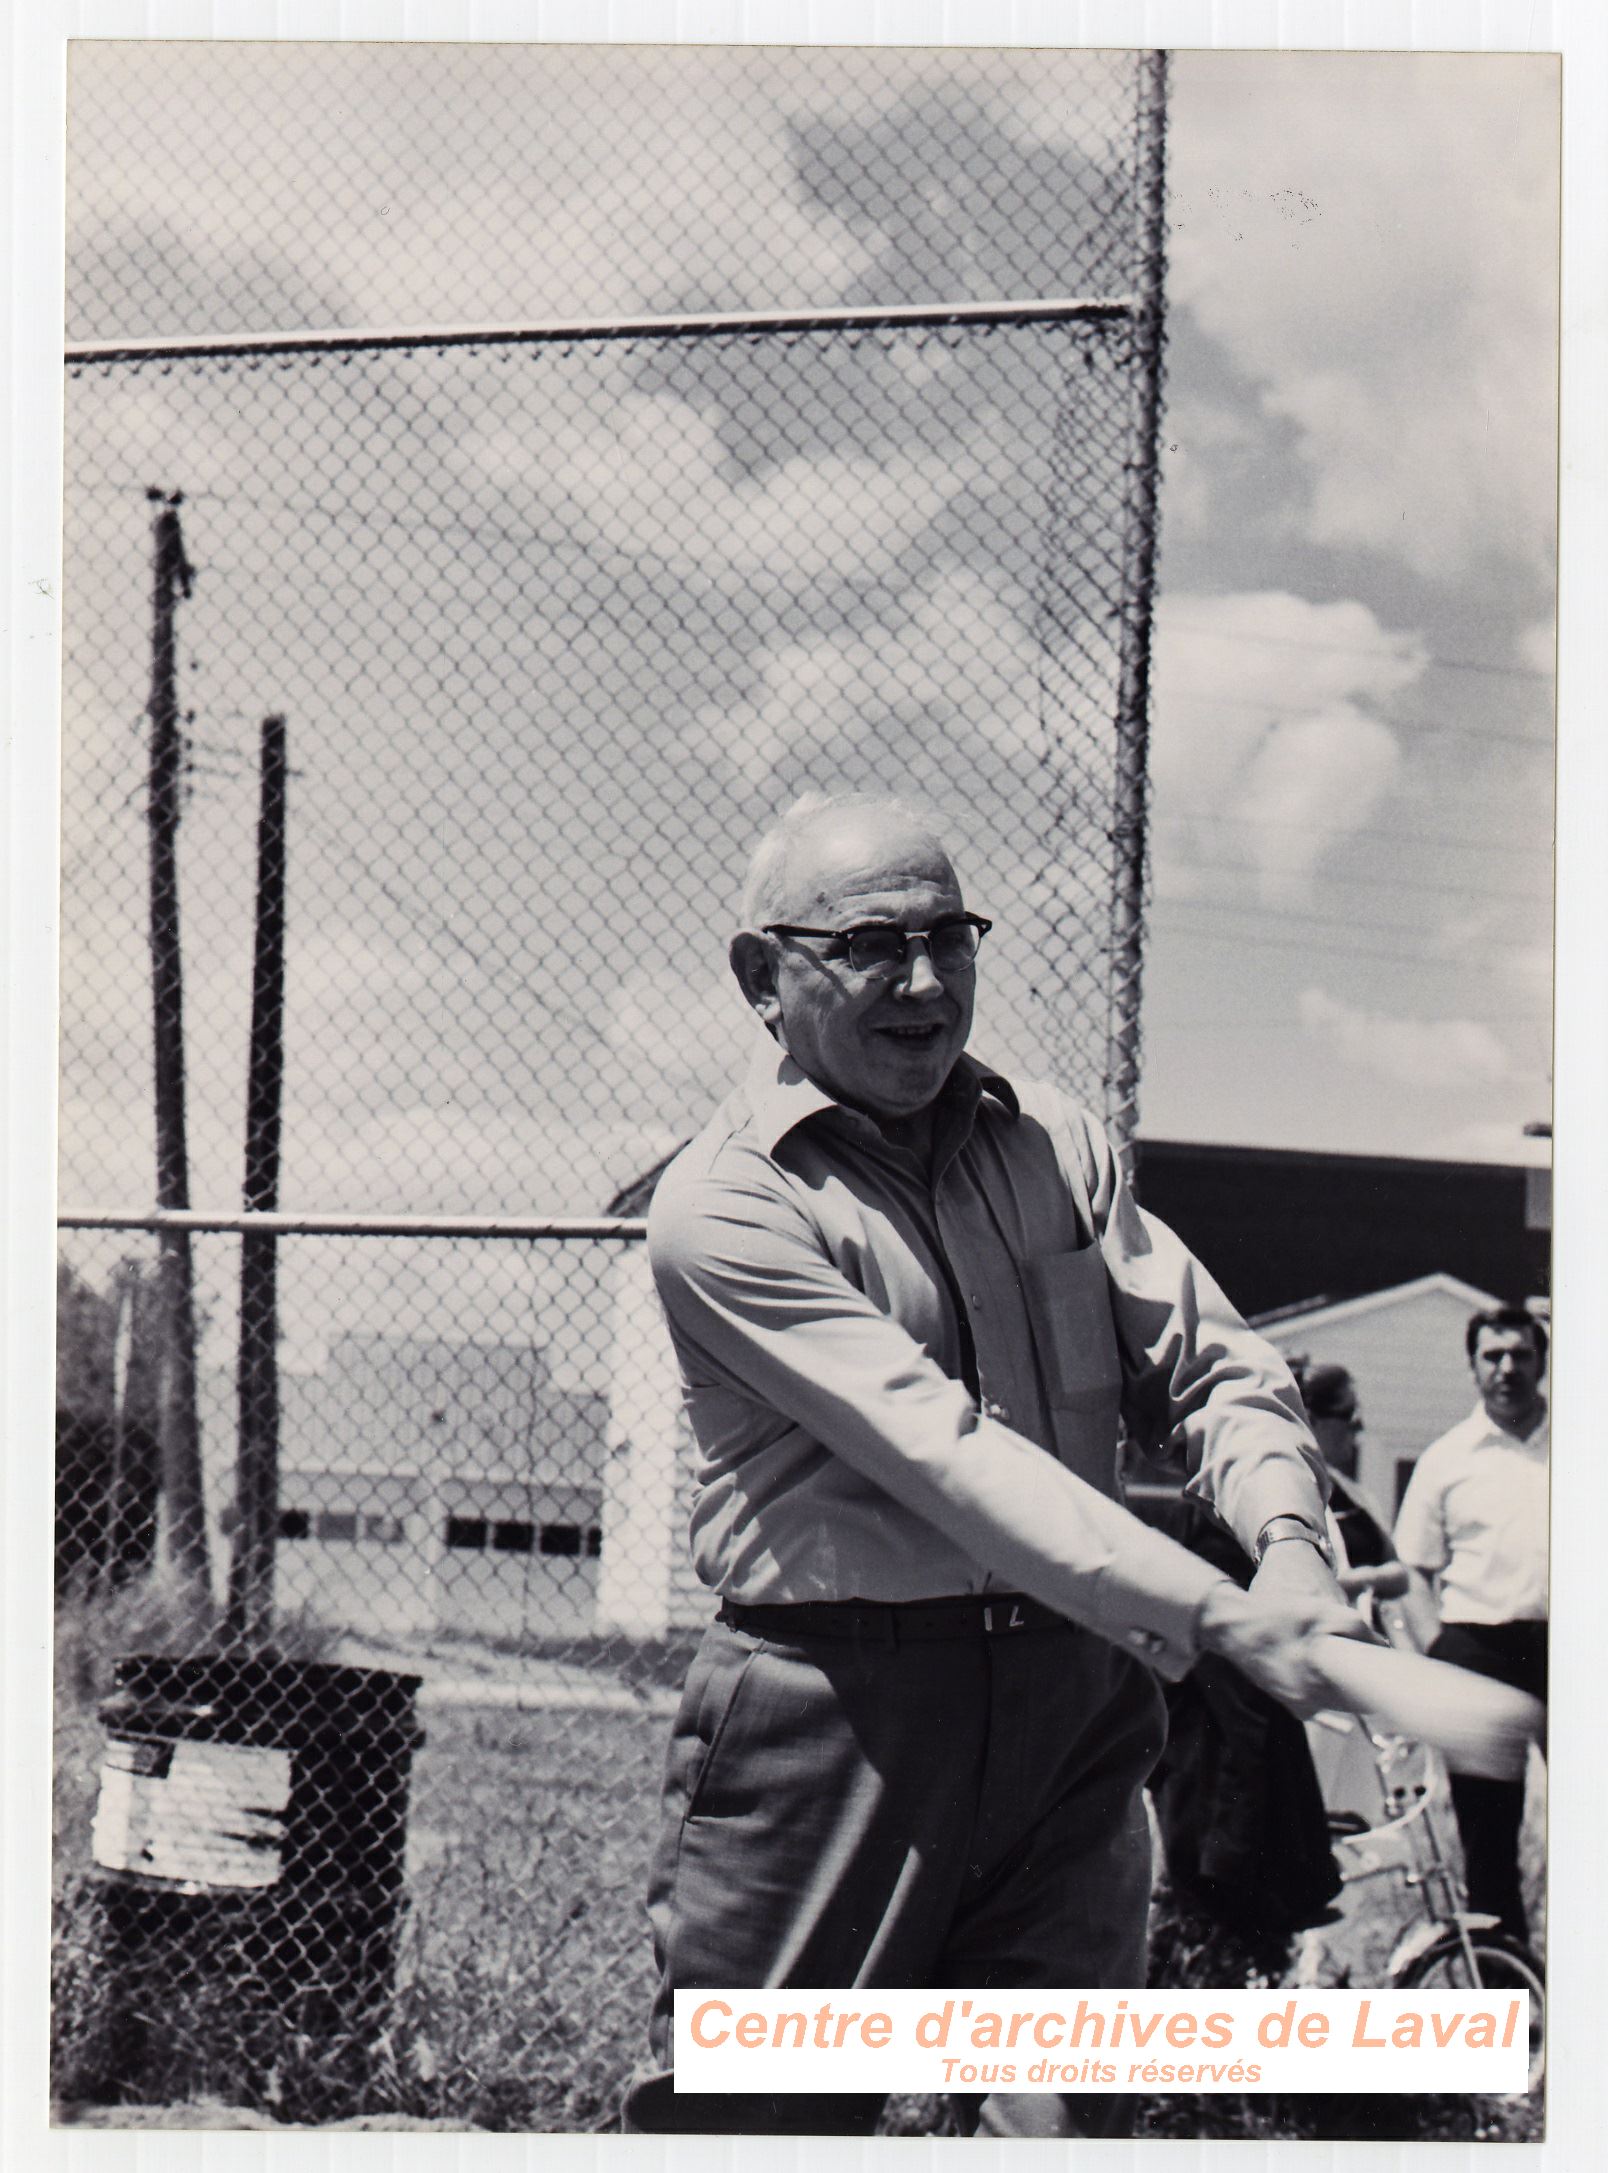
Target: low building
1404,1349
427,1485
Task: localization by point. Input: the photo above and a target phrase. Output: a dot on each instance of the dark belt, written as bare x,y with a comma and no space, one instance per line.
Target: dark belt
983,1614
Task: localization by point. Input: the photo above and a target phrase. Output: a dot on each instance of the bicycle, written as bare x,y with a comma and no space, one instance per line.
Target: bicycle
1450,1948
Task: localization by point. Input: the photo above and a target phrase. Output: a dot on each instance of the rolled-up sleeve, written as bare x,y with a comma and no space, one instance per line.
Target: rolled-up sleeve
757,1306
1421,1524
1198,1383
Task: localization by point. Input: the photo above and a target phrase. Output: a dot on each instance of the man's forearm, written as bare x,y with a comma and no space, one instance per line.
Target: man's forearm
1419,1608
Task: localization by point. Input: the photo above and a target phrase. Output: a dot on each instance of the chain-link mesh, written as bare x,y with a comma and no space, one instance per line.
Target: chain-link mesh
555,630
249,188
481,1479
555,627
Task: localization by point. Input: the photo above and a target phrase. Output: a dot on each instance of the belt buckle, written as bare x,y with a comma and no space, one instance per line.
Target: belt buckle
1014,1620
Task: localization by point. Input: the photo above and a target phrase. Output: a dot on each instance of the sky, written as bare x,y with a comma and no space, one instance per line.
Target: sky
1354,761
522,803
1305,419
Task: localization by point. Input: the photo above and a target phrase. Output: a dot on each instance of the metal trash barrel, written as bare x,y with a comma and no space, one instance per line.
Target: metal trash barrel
249,1848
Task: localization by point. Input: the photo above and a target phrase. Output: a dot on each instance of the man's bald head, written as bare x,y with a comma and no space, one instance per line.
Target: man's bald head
824,841
883,1034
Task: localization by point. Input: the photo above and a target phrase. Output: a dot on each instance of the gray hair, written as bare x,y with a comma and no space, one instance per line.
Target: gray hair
765,886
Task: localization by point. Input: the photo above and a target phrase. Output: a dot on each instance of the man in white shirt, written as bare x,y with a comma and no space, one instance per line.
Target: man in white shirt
1473,1528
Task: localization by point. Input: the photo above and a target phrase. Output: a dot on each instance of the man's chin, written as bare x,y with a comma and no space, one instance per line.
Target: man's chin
897,1099
1512,1414
913,1082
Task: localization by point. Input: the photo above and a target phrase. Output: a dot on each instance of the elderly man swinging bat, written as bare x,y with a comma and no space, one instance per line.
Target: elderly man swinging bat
913,1303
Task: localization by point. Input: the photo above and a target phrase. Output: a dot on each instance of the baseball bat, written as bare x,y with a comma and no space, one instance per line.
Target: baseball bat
1477,1725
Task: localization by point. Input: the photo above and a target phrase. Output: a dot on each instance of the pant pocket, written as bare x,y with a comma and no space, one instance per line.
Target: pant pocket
710,1723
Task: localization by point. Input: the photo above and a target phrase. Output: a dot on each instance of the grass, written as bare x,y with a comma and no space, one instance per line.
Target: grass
523,1975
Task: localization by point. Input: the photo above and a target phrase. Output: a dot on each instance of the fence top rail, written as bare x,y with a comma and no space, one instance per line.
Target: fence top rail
1045,310
295,1225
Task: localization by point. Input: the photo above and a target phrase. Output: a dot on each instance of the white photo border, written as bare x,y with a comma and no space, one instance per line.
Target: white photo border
35,40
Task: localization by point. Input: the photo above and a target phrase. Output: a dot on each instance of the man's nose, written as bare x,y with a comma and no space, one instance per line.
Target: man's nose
919,977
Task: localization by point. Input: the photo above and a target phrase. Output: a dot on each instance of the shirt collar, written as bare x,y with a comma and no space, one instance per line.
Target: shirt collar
1539,1435
781,1096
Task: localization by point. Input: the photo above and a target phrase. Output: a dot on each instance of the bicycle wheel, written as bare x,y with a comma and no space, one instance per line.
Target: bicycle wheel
1503,1965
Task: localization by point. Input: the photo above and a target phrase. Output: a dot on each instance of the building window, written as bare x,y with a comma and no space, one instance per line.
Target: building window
294,1523
387,1531
335,1524
515,1535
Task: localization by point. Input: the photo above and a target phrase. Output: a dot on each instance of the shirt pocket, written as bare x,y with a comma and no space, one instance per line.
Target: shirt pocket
1069,1307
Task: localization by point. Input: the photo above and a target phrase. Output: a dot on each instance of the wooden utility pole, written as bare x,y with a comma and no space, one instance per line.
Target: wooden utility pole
251,1570
184,1534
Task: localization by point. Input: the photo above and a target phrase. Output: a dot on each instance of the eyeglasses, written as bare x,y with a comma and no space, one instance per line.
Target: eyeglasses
880,947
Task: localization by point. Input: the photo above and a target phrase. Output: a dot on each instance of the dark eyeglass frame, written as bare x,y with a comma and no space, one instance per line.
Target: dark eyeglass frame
847,936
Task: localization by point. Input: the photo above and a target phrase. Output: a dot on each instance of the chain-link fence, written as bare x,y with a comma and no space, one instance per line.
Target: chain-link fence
478,1475
555,629
556,617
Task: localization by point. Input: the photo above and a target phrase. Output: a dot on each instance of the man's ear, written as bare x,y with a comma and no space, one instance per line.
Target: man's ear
753,961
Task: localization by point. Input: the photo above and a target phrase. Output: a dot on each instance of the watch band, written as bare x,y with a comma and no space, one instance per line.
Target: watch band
1292,1526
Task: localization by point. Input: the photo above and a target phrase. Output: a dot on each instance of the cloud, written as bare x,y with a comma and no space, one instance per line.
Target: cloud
1407,1052
954,651
679,1033
412,1159
1197,434
653,479
1372,238
1265,750
1537,646
1495,937
461,185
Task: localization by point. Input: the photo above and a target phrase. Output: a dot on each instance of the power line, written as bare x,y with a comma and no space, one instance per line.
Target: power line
1317,920
1239,635
1160,1022
1381,882
1429,727
1402,837
1265,942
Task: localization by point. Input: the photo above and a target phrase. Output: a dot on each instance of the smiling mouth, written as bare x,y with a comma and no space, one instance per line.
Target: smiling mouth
917,1036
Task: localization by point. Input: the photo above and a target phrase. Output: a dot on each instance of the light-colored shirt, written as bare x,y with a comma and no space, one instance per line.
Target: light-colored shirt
1474,1516
907,1381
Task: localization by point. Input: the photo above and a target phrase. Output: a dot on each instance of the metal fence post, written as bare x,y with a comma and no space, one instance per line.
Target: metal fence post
1130,796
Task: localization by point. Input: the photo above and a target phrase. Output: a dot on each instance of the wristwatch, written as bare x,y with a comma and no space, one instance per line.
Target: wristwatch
1292,1526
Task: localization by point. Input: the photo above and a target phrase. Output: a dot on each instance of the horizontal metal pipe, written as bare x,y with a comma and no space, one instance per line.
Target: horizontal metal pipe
912,315
292,1225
